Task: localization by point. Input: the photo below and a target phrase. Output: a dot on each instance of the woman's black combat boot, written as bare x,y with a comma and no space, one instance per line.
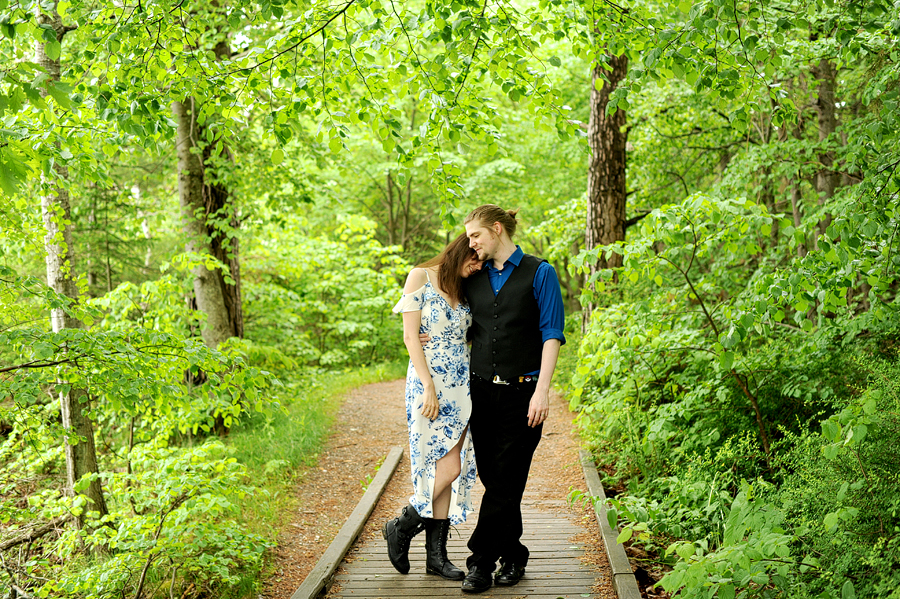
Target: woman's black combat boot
398,533
436,533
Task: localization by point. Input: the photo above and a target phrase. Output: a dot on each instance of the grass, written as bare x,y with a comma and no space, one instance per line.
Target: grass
278,448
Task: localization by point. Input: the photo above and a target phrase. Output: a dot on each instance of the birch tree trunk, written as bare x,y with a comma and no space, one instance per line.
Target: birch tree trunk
205,200
208,284
81,453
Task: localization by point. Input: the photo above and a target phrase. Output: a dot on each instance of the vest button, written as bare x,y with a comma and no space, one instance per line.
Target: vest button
494,364
496,304
494,352
494,340
495,328
495,316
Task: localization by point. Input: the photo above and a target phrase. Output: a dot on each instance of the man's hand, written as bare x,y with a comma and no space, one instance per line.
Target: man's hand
424,339
539,407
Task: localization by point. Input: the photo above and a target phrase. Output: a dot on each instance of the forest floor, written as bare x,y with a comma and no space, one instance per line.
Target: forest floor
371,420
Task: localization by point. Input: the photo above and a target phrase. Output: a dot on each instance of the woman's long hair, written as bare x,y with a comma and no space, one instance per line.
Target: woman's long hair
450,262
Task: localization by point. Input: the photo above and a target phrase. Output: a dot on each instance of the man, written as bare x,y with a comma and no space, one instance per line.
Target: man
516,335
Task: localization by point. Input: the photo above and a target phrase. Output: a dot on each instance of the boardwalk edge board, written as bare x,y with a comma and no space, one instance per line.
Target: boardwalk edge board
322,573
623,578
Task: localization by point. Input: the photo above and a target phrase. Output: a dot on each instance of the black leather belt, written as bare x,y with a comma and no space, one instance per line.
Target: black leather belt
525,378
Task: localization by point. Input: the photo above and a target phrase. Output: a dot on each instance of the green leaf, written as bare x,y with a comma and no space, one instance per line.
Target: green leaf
726,591
277,156
870,406
685,550
842,492
726,360
612,516
625,535
830,430
43,350
848,591
12,171
53,50
598,83
555,61
59,93
831,451
831,520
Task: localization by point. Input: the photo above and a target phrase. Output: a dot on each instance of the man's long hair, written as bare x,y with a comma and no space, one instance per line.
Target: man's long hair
450,262
488,214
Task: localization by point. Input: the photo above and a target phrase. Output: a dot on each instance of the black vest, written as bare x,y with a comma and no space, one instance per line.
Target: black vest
506,334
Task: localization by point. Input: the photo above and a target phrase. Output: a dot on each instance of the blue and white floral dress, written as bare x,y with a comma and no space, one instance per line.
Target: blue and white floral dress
429,440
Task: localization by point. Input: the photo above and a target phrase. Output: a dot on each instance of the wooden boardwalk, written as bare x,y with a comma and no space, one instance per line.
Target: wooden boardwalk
555,569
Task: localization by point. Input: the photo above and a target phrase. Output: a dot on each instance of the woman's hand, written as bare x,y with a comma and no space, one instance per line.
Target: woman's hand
430,405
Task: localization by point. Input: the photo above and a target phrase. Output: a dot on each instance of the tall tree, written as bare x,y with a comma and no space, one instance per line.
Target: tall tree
827,179
81,455
606,173
206,205
606,194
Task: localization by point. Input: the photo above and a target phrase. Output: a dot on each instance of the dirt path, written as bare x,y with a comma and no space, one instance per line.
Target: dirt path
371,421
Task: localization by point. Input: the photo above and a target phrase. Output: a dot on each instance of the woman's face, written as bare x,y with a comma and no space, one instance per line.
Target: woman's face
470,267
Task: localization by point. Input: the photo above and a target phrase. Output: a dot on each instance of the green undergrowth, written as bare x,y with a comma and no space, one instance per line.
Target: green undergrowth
276,449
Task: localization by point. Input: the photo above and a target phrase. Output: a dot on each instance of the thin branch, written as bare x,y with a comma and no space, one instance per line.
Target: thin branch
290,48
472,57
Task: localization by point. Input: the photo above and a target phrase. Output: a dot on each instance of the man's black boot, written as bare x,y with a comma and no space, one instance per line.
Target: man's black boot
478,580
398,533
510,573
436,533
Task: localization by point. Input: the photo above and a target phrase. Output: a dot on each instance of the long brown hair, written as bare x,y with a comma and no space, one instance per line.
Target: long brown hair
488,214
450,262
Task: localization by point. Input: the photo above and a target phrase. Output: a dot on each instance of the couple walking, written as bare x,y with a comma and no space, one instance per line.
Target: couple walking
484,289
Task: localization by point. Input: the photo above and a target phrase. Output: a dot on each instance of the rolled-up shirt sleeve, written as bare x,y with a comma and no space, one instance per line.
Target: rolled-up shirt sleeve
549,298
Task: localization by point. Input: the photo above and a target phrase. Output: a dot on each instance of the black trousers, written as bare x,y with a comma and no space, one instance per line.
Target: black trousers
504,445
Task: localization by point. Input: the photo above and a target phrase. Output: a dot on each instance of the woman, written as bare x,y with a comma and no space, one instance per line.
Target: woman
438,406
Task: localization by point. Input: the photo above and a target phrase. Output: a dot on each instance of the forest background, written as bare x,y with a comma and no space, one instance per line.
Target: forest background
208,210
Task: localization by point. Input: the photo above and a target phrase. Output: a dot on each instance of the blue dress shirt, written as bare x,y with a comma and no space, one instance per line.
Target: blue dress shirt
546,293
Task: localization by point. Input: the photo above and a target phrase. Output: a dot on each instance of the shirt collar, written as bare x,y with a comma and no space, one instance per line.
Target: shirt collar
514,259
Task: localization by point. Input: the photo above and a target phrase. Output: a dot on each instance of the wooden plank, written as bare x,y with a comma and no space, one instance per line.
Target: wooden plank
623,577
316,580
456,593
430,589
420,562
555,578
535,555
369,569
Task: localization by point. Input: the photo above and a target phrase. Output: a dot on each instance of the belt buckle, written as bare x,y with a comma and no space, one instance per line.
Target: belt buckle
498,381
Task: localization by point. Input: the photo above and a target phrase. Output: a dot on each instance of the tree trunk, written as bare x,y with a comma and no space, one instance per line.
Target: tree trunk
767,198
81,454
796,191
225,249
208,284
606,171
826,179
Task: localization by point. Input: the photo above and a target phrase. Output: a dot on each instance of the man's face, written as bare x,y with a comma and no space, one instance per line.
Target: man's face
482,239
